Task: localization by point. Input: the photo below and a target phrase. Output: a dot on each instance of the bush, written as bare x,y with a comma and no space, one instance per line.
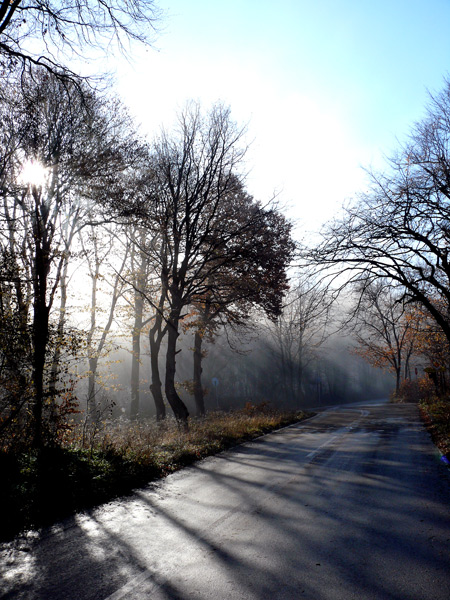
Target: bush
436,415
414,390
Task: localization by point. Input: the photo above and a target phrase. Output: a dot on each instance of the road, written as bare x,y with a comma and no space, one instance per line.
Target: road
352,504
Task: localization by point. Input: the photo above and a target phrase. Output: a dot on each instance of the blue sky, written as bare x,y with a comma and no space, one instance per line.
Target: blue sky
326,86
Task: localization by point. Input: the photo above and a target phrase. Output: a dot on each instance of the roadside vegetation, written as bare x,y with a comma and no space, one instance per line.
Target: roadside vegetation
436,414
434,404
41,487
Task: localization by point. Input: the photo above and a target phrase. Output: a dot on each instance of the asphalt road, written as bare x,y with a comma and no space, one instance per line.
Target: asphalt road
352,504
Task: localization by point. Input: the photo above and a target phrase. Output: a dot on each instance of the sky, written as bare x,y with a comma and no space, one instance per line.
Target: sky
326,87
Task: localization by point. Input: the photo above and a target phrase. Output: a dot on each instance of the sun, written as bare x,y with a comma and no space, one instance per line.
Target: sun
33,173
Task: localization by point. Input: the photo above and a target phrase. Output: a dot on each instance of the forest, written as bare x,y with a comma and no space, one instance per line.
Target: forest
114,249
141,284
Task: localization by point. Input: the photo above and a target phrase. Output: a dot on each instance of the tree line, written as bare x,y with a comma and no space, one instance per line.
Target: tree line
391,247
185,246
187,249
190,243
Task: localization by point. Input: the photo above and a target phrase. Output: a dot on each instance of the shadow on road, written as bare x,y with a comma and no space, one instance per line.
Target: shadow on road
362,517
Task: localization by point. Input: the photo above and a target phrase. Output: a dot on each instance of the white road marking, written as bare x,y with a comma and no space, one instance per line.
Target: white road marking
317,450
363,413
132,585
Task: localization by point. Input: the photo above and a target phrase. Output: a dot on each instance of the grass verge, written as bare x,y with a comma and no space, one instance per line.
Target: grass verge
436,415
39,489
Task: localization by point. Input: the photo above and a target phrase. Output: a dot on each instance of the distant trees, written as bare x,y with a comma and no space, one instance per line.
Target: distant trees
139,274
384,330
297,334
399,230
97,251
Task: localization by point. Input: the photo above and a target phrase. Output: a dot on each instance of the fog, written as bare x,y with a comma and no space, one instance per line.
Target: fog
245,369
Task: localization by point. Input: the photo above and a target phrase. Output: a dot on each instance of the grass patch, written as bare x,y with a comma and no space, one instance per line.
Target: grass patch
41,488
436,415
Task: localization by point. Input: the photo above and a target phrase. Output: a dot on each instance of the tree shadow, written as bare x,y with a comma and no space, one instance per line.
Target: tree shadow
359,519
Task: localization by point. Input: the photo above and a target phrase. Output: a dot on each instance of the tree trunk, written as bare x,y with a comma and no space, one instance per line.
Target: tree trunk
139,267
40,339
136,354
40,334
155,337
92,388
283,373
300,383
198,388
398,377
60,331
176,403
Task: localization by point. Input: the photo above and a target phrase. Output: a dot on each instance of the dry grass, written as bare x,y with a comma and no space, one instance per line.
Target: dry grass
41,488
436,414
168,446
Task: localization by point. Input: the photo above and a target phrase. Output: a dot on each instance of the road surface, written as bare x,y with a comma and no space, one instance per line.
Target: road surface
352,504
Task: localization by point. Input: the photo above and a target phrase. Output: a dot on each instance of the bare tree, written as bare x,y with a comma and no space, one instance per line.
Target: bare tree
149,298
209,235
48,33
98,250
76,145
298,333
140,280
383,330
399,230
191,173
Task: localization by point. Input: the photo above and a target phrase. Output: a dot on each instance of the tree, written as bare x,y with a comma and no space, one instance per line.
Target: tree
139,271
206,325
383,329
254,280
156,334
39,33
143,291
210,236
97,250
77,149
298,332
149,289
399,229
